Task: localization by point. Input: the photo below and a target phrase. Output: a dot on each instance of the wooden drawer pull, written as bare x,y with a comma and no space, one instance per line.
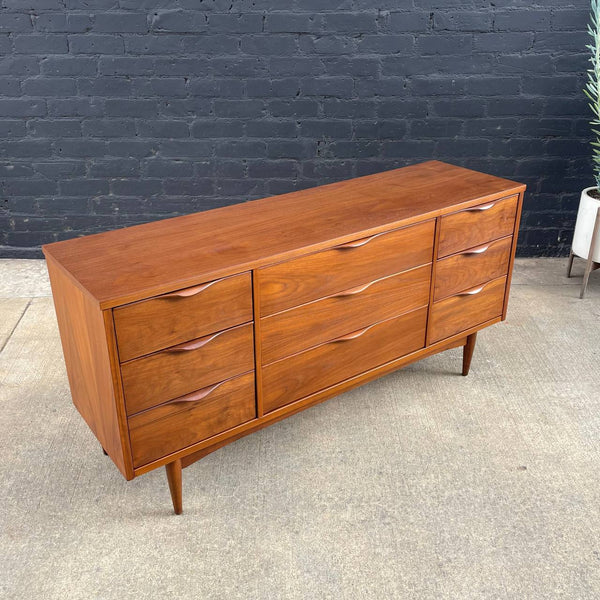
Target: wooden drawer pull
472,292
189,291
354,291
195,396
196,344
353,335
480,208
357,290
479,250
357,243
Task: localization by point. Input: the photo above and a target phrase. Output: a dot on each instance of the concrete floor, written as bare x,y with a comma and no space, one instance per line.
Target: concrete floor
422,485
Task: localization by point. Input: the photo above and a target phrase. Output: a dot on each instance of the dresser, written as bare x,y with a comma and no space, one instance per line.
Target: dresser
183,335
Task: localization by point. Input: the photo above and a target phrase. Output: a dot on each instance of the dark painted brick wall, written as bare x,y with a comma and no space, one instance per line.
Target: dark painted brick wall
114,112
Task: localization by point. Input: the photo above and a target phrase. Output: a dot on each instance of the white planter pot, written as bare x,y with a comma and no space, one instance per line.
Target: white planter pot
584,228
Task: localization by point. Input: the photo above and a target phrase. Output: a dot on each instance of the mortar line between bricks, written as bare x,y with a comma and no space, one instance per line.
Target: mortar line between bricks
15,326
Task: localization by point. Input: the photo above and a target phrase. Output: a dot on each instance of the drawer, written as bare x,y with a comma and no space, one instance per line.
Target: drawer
150,325
307,372
477,225
466,310
181,369
190,419
472,267
296,329
324,273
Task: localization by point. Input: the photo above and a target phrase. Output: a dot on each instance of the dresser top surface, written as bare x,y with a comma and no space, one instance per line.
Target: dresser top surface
125,265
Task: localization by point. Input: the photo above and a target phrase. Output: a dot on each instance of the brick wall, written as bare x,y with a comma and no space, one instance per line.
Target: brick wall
115,112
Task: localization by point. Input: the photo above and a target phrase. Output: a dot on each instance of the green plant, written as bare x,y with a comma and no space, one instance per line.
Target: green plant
592,88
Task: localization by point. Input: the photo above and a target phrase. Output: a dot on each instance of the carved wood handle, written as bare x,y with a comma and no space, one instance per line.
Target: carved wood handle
197,395
189,291
480,208
354,291
472,292
479,250
195,344
353,335
357,243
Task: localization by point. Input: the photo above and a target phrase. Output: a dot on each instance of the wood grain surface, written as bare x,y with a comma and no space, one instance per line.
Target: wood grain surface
477,225
170,427
85,338
117,267
513,253
157,323
361,261
181,369
468,309
299,328
307,372
471,267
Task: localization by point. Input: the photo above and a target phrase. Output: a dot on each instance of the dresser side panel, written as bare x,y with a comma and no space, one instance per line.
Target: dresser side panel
513,252
83,336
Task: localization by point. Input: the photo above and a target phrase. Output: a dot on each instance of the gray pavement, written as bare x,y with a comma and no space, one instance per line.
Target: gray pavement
421,485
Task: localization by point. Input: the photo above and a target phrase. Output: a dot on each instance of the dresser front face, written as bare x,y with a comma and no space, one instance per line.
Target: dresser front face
472,270
207,361
335,314
198,365
181,315
186,365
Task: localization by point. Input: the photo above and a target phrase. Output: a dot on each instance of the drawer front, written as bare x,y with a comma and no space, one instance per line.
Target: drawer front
307,372
170,319
170,427
181,369
467,309
472,267
321,274
311,324
477,225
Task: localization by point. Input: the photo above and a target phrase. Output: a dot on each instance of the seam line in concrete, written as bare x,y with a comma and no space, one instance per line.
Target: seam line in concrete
16,325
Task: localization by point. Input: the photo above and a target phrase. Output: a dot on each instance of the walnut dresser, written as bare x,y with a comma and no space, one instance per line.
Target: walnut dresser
183,335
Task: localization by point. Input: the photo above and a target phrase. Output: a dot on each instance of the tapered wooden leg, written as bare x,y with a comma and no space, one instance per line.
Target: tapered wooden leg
468,353
174,478
570,263
590,265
